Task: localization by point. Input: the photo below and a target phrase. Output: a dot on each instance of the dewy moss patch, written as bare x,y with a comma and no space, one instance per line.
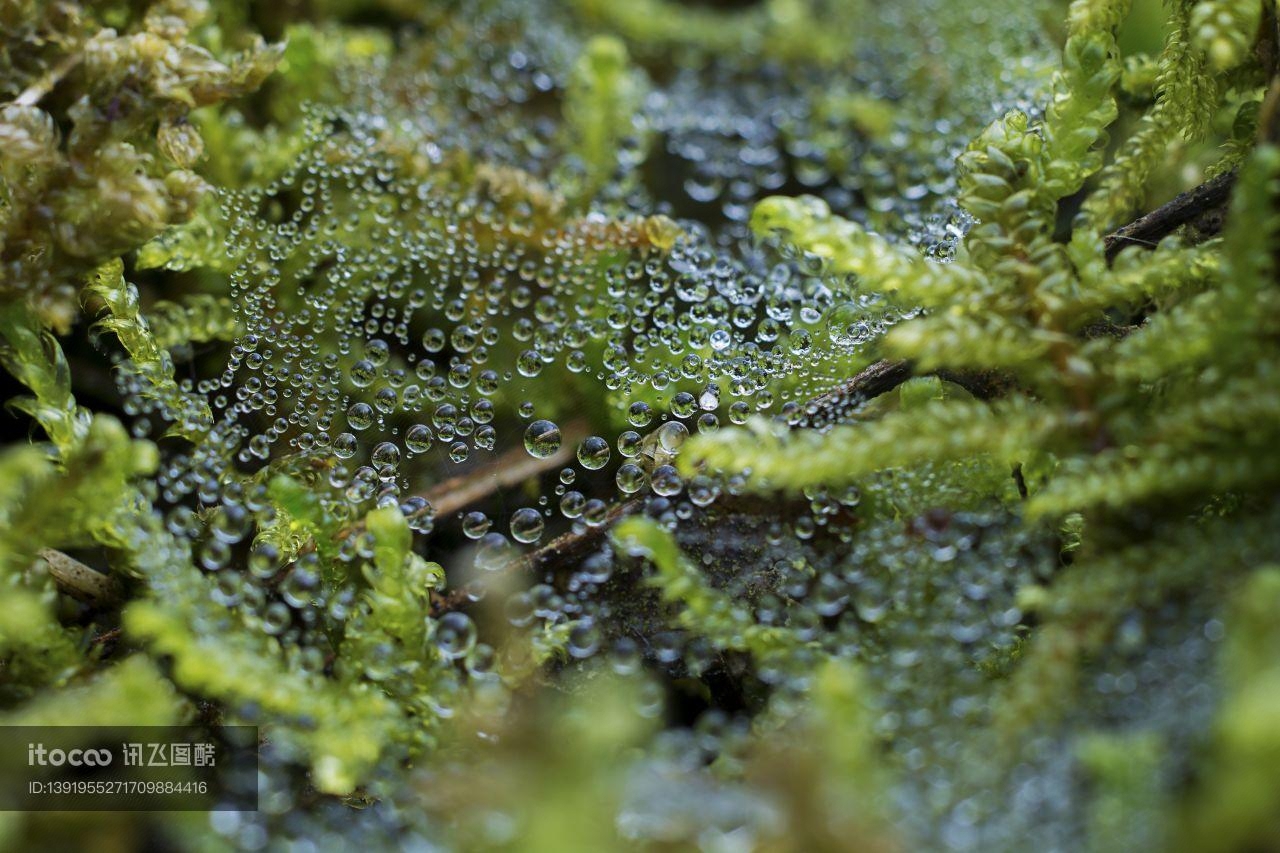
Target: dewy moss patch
711,425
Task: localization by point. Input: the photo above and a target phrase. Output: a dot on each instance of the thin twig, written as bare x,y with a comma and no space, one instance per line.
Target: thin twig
1020,481
510,469
1150,229
573,546
33,94
449,600
78,580
883,376
872,381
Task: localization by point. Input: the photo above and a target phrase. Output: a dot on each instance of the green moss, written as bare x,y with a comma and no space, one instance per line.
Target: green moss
481,419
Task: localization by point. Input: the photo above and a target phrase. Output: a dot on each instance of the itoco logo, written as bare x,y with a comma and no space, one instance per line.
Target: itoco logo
37,754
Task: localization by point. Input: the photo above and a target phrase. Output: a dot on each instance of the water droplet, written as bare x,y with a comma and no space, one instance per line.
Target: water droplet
666,481
360,416
629,443
475,524
630,478
455,635
639,414
363,373
683,404
433,340
703,490
672,435
709,399
593,453
418,438
385,453
542,439
584,639
494,552
529,363
376,351
526,525
572,504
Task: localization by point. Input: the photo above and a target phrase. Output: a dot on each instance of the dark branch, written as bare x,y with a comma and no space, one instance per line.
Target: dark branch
874,380
1191,205
572,547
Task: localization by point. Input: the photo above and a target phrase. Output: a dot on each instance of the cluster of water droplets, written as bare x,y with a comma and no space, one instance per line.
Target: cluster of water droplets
401,329
425,324
418,303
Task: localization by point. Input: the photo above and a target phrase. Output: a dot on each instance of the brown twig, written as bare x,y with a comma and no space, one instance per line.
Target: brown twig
77,580
34,93
574,546
105,637
451,599
885,375
510,469
1150,229
1020,481
871,381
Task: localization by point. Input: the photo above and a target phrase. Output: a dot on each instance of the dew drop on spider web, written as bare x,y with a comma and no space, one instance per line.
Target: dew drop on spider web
542,439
